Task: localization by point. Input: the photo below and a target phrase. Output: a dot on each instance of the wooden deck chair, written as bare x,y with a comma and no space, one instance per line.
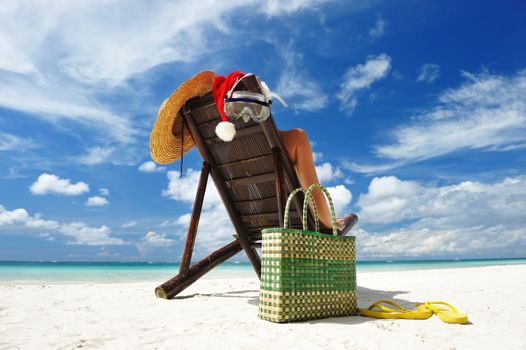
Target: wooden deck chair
253,175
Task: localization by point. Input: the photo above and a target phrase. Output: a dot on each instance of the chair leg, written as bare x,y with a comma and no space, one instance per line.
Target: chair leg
175,285
278,176
252,255
194,220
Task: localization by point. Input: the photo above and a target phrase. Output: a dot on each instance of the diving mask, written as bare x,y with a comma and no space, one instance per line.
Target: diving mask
250,105
246,105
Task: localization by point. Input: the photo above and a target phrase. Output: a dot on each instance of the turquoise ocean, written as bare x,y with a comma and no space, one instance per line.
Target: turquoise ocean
106,272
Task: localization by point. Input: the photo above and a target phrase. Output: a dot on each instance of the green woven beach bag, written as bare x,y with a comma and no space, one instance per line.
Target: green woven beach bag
305,274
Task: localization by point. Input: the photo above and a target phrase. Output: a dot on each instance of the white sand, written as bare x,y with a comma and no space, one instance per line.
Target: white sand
222,314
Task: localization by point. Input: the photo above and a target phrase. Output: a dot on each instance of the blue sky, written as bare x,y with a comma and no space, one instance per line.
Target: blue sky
416,111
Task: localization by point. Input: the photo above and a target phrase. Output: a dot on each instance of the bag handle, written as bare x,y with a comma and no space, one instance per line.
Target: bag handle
308,198
331,206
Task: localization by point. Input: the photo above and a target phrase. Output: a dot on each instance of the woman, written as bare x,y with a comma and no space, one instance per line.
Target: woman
240,95
298,147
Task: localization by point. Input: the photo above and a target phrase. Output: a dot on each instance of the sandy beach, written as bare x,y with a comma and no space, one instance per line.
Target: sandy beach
222,314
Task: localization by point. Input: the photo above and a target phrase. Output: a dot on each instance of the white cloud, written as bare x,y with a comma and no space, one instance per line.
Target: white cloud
13,57
36,221
215,227
389,200
46,236
129,224
184,188
151,167
479,242
103,252
96,155
12,217
10,142
57,61
56,100
277,7
327,172
49,183
153,240
317,156
96,47
117,153
104,191
369,168
429,72
79,231
341,198
361,77
97,201
86,235
468,218
378,29
168,223
485,112
301,91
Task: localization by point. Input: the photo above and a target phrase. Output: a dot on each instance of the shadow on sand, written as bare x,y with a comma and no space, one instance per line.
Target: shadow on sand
366,297
230,294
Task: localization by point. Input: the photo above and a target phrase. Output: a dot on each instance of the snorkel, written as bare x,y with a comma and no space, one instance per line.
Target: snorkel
234,104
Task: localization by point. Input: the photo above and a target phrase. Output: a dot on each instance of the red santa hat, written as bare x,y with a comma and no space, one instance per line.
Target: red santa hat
225,130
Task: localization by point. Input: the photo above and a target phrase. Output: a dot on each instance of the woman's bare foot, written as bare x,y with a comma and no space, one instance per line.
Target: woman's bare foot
340,224
345,224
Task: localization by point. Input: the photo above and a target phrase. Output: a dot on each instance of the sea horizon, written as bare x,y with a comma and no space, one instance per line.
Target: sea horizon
143,271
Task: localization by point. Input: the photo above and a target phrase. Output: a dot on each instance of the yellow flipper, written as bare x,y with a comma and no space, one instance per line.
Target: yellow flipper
377,310
450,315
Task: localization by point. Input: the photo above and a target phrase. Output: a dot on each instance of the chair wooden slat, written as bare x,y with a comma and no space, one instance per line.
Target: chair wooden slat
265,157
250,180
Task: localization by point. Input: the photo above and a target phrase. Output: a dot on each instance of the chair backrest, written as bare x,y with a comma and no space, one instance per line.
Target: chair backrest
246,166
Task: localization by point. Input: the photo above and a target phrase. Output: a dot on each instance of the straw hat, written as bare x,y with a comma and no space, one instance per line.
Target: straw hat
169,140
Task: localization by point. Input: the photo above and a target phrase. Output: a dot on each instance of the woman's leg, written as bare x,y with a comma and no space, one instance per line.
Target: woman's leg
298,147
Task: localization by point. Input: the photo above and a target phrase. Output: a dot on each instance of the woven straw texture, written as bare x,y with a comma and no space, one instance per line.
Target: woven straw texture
306,275
169,140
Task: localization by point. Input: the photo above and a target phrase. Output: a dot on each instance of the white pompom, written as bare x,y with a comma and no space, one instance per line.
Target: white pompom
226,131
